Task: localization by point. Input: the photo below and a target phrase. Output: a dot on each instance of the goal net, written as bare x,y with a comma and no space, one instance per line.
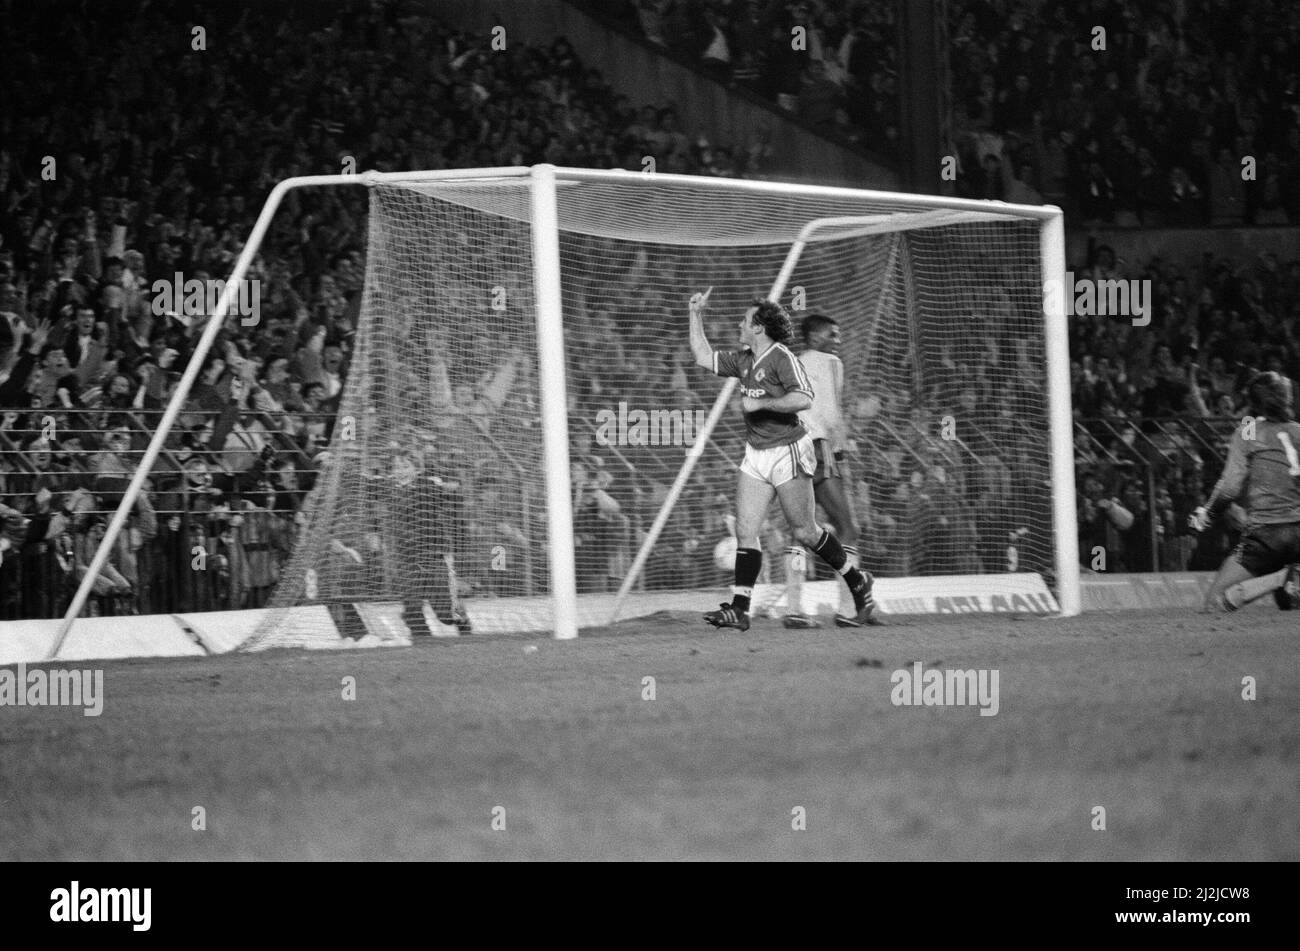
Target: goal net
437,502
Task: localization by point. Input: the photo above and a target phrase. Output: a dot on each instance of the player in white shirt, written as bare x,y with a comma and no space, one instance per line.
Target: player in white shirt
824,421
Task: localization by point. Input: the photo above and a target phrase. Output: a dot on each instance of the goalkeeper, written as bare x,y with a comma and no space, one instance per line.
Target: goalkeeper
779,458
1262,471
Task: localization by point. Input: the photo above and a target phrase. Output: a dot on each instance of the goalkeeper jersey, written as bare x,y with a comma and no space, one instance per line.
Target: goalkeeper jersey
1263,473
776,373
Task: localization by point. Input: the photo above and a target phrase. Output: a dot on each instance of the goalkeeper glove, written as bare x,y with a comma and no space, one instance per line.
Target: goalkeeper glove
1199,520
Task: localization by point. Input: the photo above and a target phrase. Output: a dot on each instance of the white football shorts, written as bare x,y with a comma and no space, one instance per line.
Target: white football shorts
779,464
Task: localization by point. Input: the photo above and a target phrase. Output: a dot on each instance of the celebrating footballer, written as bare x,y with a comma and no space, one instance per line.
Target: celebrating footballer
779,455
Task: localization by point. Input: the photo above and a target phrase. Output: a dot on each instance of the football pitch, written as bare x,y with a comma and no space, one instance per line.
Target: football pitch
773,744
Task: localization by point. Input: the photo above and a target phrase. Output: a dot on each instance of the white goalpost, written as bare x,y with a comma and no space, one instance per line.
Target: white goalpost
518,311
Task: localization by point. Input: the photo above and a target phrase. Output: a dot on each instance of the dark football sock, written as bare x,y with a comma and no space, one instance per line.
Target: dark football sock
748,563
830,551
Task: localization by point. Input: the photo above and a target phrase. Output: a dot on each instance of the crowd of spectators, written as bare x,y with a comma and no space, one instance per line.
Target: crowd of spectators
1189,114
834,63
154,179
1121,114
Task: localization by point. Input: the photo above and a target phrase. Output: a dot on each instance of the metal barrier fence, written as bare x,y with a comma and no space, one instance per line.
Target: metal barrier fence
210,532
1159,468
218,519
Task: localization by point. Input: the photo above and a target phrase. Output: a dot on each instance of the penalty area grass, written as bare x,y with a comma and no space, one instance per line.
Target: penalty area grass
504,747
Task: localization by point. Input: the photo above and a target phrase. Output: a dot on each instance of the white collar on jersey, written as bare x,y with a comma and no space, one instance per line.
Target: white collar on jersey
758,360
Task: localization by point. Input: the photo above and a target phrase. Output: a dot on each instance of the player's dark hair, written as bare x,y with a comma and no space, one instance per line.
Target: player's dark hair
774,320
1269,395
813,323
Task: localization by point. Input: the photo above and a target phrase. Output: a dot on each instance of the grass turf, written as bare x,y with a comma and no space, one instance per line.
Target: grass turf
1140,713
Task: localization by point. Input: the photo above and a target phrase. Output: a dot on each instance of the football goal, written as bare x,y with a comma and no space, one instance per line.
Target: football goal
523,443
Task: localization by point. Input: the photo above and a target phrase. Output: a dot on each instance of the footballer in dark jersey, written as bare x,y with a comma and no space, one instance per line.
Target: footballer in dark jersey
1262,473
779,458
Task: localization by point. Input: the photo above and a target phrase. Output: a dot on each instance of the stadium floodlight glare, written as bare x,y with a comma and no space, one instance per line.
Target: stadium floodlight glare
541,312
